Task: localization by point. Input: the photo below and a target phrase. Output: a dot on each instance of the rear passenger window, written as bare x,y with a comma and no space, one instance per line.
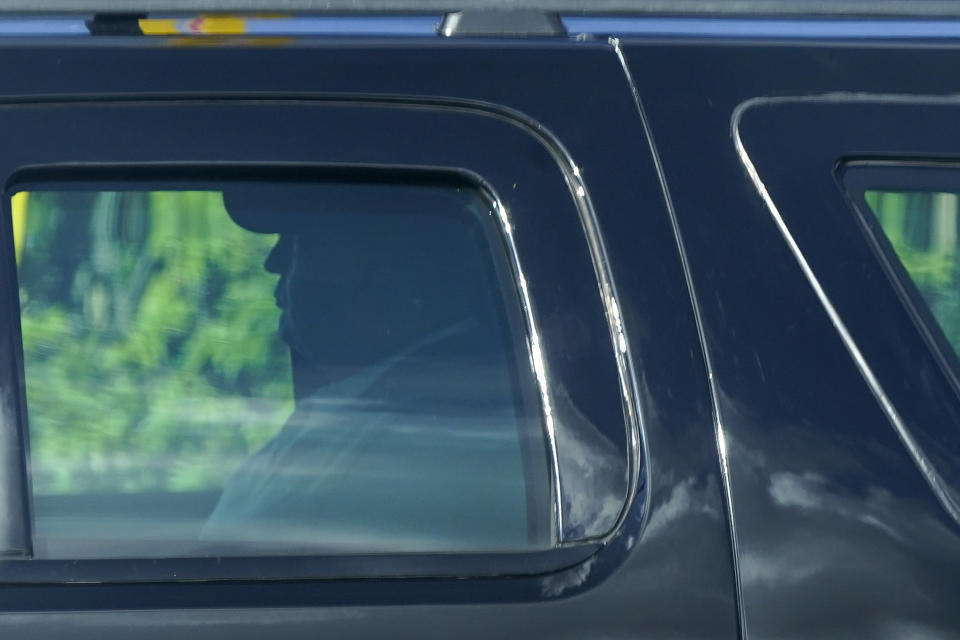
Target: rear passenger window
275,367
922,229
912,211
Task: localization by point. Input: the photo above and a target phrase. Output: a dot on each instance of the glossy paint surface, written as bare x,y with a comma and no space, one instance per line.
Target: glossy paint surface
840,531
829,400
668,571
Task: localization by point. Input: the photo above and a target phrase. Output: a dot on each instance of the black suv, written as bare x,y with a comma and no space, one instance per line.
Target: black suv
496,319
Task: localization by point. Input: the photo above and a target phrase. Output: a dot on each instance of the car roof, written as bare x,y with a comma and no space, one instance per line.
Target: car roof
832,8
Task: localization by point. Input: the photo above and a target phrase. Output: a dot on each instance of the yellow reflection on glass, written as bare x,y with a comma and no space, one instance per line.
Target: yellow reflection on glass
18,207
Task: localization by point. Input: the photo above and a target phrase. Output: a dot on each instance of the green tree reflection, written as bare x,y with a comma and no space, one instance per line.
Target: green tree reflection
150,341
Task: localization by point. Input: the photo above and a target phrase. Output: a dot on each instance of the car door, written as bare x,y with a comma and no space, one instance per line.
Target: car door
546,137
833,377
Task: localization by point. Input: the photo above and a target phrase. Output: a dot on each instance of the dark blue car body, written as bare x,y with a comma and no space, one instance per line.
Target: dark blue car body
798,441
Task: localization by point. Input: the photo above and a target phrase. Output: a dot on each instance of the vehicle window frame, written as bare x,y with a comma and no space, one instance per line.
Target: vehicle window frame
859,176
456,565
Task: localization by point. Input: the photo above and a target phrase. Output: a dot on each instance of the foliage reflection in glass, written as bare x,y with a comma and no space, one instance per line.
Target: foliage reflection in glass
922,229
150,340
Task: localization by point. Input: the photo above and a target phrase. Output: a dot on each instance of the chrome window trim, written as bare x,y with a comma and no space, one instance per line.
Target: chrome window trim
535,354
632,409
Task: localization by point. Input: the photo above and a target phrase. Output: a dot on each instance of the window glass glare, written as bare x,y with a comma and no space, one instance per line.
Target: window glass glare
250,368
922,229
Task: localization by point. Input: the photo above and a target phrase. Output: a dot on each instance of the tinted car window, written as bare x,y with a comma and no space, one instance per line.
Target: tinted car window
909,211
275,368
921,227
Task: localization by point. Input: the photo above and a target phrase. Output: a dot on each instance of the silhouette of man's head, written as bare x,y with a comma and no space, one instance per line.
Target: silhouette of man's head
358,284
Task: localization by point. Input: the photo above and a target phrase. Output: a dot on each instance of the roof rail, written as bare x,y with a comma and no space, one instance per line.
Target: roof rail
805,8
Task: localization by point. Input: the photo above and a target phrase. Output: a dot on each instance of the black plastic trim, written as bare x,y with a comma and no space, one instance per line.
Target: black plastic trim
271,568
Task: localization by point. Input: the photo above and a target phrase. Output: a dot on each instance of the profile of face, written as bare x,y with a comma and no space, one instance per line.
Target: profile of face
358,289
